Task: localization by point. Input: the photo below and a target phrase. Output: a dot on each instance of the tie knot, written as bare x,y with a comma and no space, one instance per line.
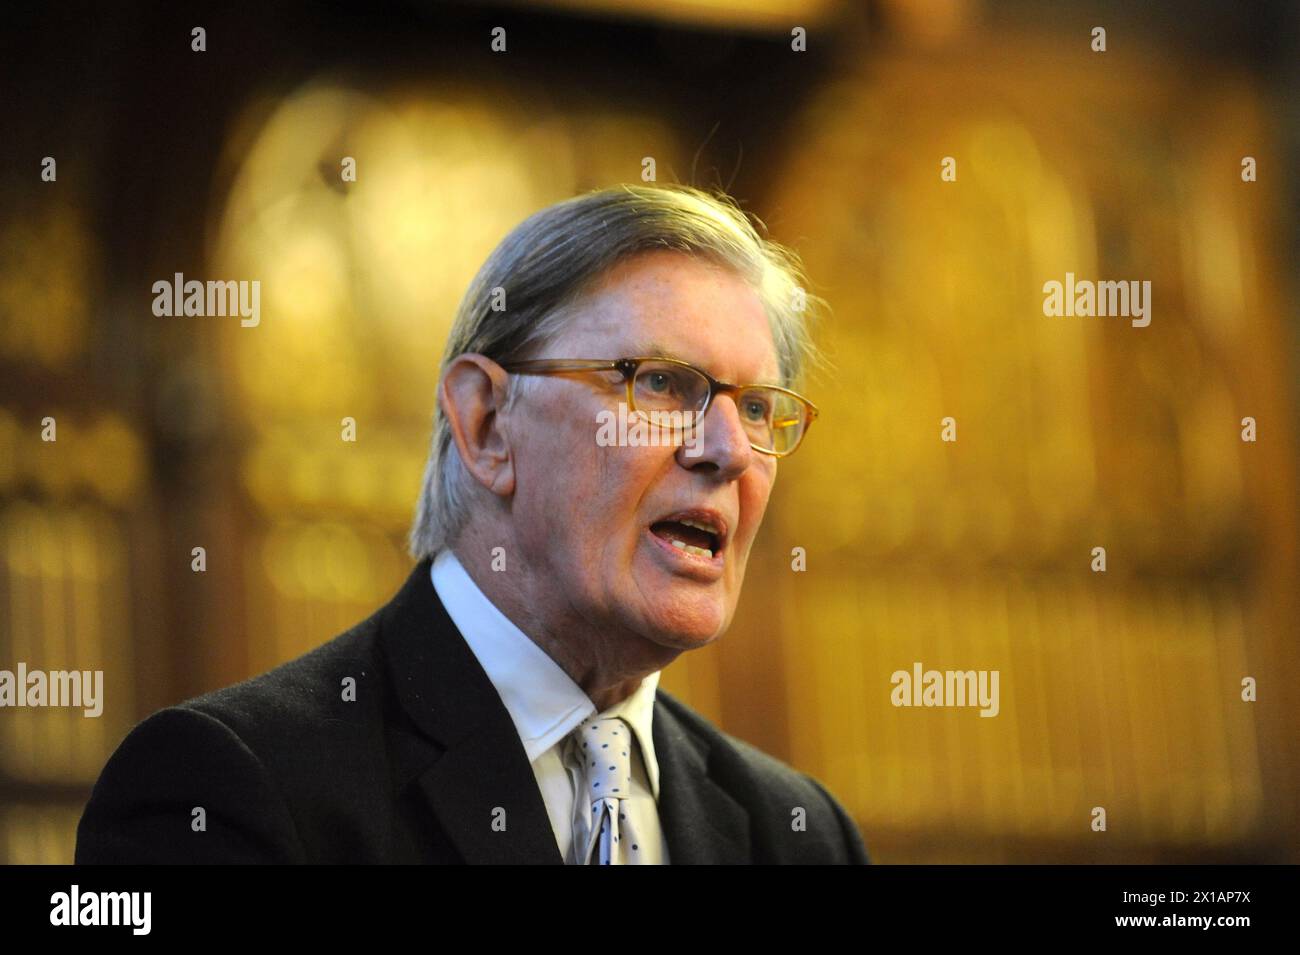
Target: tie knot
603,746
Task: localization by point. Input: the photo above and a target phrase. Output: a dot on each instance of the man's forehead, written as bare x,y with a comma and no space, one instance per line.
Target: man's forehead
731,344
747,355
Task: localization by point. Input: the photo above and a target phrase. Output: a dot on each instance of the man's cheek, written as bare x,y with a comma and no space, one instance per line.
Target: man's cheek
758,508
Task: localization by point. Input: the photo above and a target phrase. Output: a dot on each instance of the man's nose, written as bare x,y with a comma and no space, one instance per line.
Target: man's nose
719,441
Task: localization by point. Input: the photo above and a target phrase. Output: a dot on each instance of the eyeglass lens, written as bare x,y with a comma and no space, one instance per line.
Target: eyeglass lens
667,393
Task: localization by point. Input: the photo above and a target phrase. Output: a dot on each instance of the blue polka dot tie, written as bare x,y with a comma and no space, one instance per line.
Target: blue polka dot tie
603,747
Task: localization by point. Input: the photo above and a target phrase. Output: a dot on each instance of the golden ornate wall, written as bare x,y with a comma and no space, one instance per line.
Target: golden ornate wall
1120,689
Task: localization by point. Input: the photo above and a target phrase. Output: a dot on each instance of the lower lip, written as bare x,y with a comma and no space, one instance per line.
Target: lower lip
705,569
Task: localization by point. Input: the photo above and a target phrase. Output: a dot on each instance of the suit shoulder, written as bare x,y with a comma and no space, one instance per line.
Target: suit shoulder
304,691
173,769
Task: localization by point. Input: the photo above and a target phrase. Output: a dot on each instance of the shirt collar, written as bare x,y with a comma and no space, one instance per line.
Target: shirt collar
543,701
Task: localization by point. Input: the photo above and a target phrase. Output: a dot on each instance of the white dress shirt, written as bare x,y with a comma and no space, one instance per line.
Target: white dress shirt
546,705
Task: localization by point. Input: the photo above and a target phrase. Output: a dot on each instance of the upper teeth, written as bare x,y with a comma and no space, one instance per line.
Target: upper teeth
707,528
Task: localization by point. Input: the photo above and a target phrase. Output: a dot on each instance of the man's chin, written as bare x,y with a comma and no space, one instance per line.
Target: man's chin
679,611
687,623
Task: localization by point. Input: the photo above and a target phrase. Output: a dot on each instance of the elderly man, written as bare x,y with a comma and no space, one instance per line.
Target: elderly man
505,704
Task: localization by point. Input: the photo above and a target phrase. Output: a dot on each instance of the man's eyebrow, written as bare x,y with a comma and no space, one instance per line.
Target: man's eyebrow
662,351
658,351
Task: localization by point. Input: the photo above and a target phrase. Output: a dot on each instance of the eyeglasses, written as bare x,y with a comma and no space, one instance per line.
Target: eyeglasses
667,390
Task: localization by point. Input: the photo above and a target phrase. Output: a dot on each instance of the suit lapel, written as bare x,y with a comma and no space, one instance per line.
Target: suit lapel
701,821
466,760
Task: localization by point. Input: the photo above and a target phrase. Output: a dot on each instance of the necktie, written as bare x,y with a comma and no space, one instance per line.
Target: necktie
602,748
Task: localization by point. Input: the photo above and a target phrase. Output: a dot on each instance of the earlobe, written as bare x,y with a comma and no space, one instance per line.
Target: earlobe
472,397
503,482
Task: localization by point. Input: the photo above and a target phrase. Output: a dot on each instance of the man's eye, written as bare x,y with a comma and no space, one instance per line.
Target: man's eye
659,381
756,409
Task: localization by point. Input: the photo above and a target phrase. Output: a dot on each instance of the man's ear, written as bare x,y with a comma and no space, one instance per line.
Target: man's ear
471,394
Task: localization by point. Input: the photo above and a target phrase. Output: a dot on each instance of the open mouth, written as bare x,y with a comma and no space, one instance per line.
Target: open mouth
695,532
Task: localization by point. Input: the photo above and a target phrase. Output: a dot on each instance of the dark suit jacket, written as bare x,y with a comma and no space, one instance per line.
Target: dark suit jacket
416,769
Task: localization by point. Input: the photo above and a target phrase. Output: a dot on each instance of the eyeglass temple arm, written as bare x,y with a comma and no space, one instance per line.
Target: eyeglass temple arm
561,364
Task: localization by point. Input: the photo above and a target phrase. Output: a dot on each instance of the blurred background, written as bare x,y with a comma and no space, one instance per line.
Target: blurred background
1119,689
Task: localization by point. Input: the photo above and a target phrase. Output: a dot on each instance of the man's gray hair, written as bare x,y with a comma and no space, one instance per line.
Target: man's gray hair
546,265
